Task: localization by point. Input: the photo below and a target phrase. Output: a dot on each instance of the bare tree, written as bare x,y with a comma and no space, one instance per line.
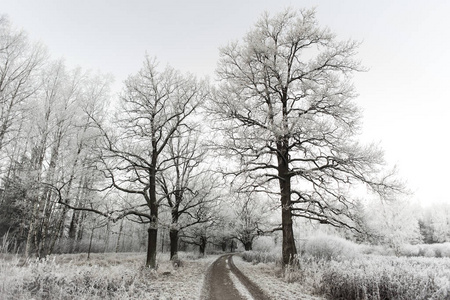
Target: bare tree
250,219
55,150
288,119
186,182
155,106
203,232
19,66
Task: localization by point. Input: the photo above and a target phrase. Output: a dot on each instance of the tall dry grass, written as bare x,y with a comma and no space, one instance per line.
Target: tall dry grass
104,276
335,268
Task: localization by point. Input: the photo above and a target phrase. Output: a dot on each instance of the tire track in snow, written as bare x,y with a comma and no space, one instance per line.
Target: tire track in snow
225,281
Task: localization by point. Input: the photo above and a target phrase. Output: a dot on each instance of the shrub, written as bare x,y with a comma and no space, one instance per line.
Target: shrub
265,244
330,247
427,250
256,257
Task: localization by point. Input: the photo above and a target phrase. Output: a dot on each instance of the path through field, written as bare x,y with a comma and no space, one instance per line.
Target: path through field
224,281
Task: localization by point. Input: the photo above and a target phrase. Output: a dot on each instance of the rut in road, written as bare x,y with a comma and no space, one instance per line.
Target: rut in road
224,281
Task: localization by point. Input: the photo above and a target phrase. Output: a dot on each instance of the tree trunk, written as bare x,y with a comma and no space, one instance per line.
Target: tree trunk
223,246
90,243
31,230
173,243
232,246
108,231
202,246
119,236
288,248
153,205
174,229
151,246
248,246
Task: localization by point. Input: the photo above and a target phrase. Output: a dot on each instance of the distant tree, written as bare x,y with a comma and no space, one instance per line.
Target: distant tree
251,219
286,114
155,105
224,237
394,224
426,230
209,224
434,223
20,62
186,182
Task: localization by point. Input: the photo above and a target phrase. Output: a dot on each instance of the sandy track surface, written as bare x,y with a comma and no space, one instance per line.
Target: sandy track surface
224,281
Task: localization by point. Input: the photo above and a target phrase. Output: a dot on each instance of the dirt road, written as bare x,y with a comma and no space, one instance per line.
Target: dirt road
225,282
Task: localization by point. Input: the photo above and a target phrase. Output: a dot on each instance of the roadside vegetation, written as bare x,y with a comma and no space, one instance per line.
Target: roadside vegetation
103,276
334,268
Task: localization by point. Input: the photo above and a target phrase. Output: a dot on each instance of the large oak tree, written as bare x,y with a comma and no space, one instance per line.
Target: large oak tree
287,116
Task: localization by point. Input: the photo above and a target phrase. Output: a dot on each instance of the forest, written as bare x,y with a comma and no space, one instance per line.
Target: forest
262,158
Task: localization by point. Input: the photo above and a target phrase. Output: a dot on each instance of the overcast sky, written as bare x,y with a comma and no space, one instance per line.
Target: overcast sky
405,95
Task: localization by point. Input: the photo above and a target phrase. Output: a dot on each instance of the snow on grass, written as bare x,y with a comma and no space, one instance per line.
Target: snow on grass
378,277
103,276
269,278
240,287
354,277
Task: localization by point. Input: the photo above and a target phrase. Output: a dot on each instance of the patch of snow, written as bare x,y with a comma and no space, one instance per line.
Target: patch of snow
265,276
239,286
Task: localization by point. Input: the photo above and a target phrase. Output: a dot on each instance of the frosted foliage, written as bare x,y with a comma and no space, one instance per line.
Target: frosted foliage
395,223
440,222
330,247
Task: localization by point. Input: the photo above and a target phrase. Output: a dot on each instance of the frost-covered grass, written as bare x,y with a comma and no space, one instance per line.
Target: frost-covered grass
103,276
377,277
334,268
257,257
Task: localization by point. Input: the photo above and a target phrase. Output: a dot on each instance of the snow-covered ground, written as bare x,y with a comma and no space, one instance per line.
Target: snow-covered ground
266,277
104,276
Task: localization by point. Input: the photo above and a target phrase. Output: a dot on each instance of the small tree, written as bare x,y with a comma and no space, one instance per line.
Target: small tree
394,224
251,219
186,183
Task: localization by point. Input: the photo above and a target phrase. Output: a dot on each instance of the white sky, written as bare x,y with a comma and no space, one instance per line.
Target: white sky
406,46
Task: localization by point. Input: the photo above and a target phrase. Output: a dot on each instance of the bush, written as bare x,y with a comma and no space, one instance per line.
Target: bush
265,244
330,247
426,250
256,257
